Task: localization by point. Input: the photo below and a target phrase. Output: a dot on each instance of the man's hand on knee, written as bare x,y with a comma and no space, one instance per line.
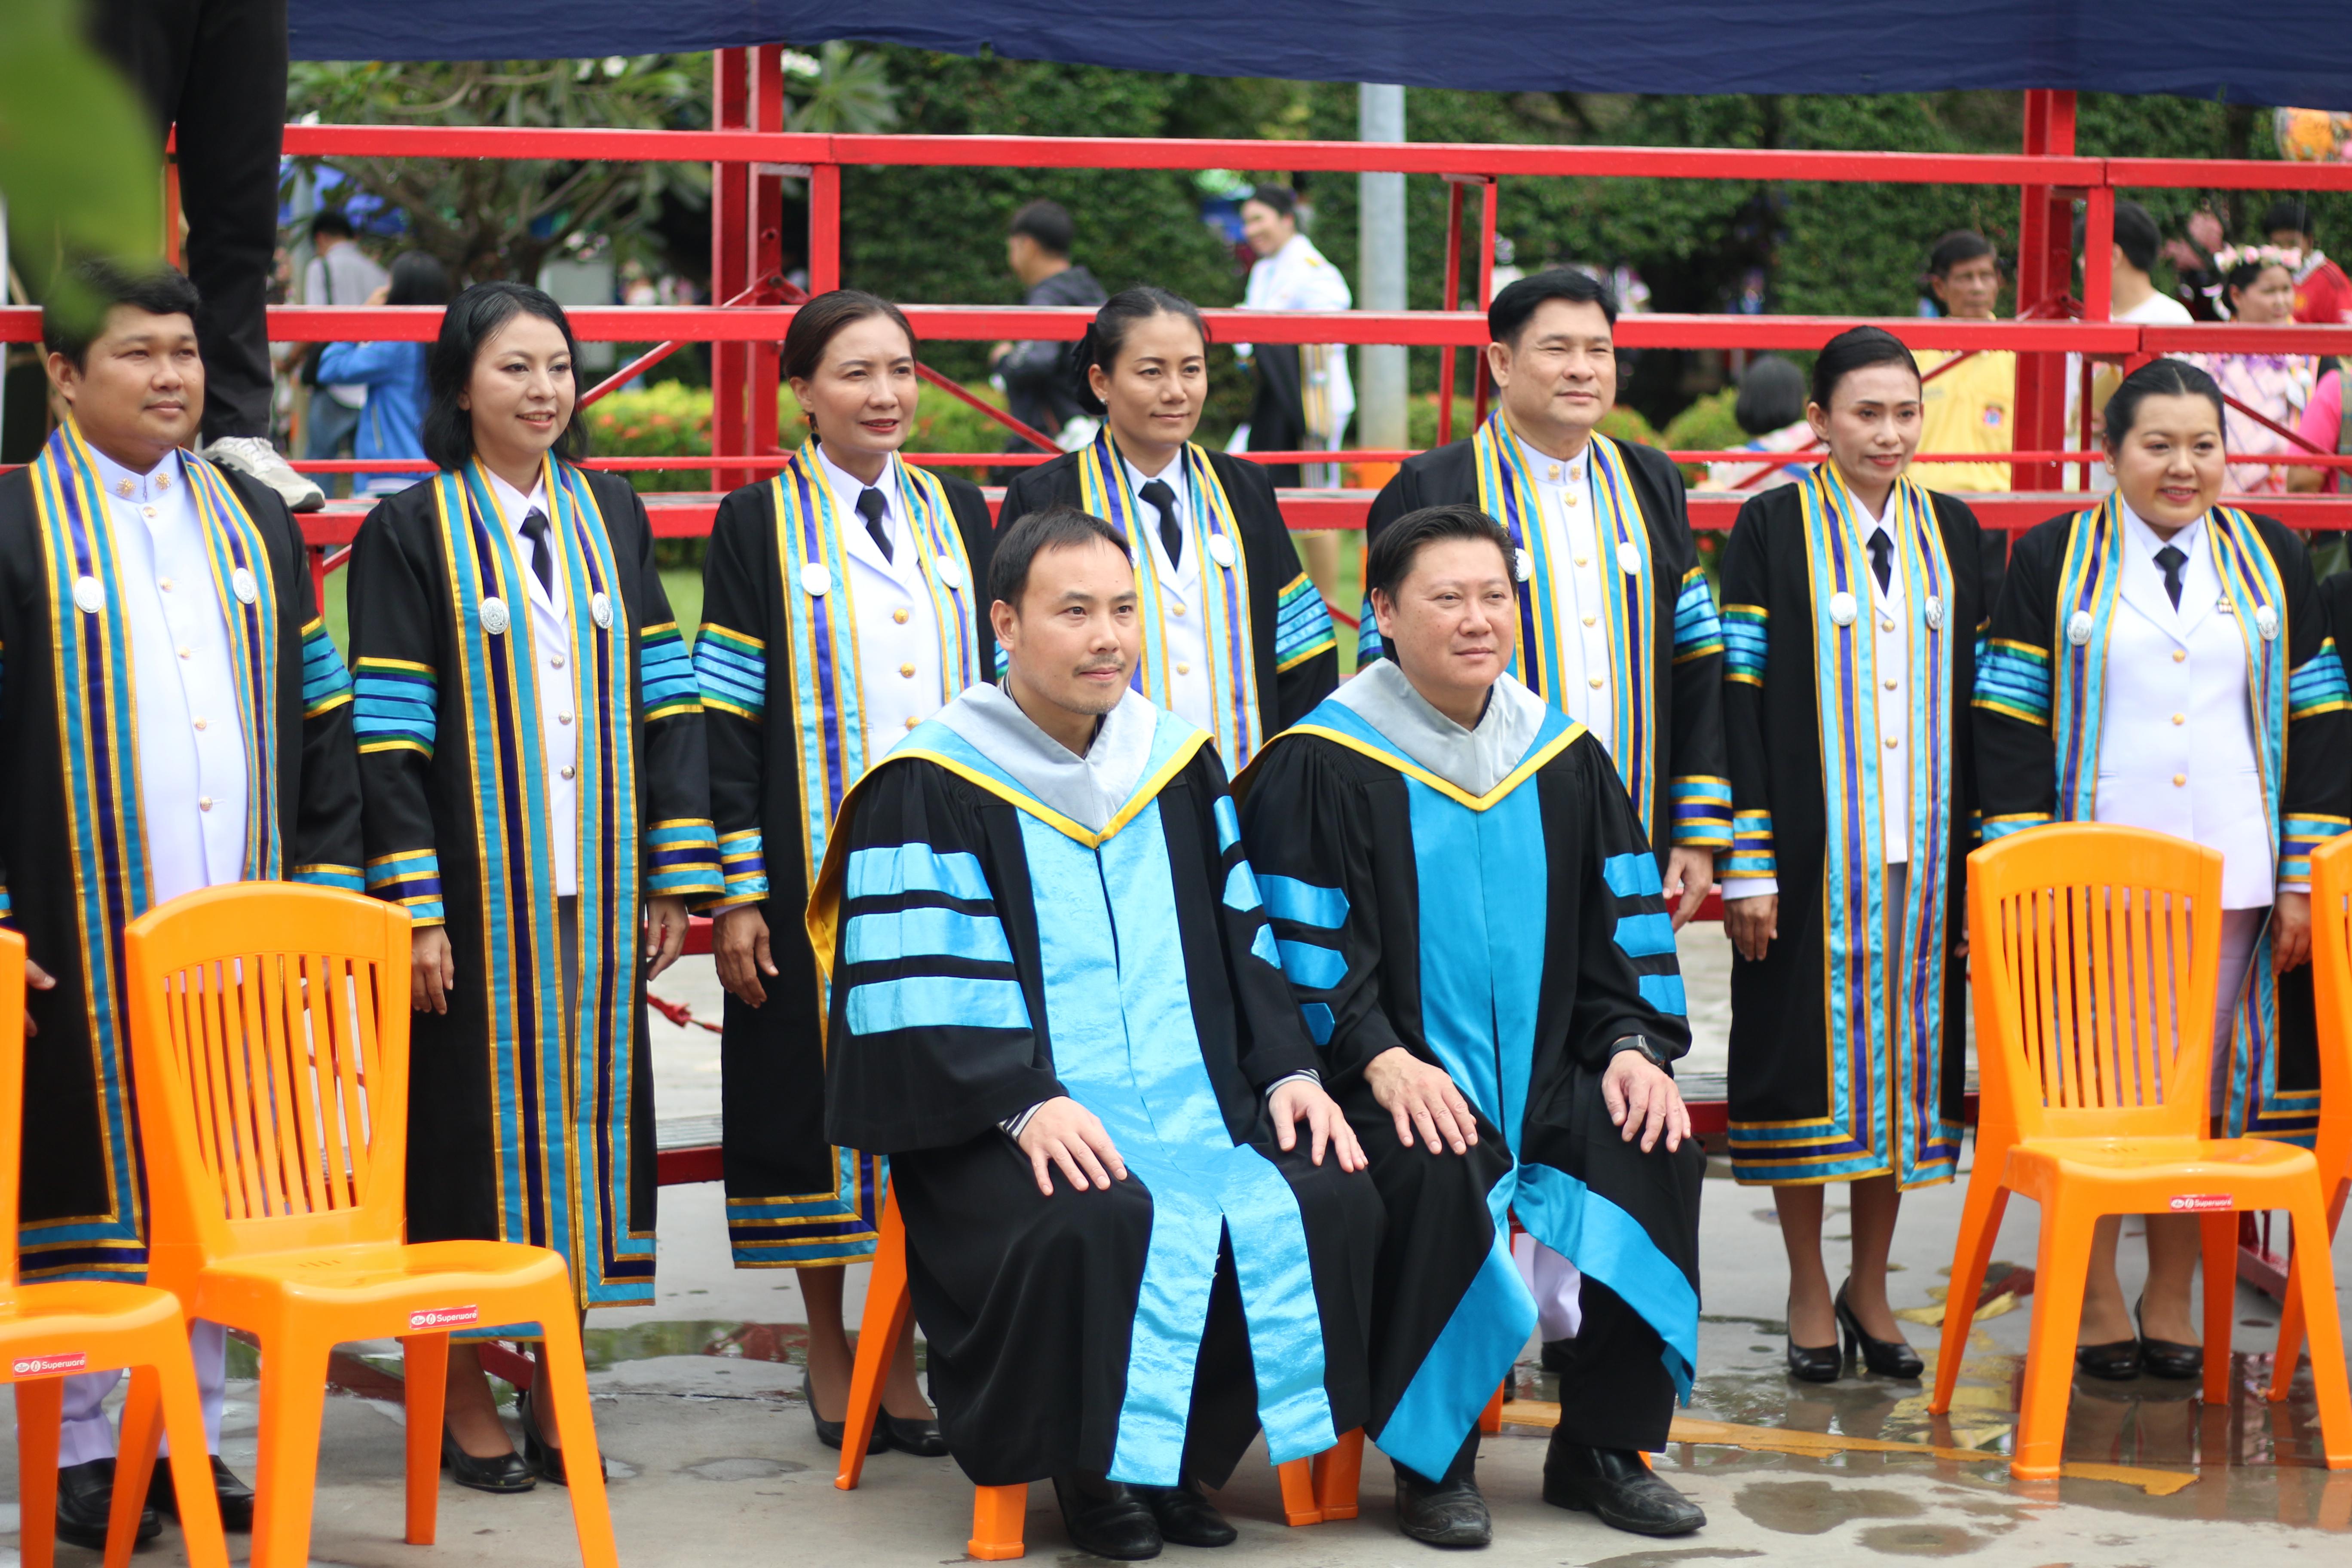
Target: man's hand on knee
1063,1132
1326,1123
1643,1099
1418,1094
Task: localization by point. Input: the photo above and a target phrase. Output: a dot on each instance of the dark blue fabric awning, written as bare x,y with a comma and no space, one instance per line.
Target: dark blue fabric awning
2289,52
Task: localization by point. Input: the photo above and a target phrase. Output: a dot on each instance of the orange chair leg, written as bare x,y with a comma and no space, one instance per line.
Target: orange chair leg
424,1387
2050,1346
1981,1215
134,1461
2290,1331
1490,1420
40,1406
1337,1471
575,1428
887,1307
2217,1238
192,1472
293,1402
2319,1311
1297,1478
998,1517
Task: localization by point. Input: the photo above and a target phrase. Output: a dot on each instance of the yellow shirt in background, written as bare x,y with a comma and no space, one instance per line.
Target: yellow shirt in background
1969,408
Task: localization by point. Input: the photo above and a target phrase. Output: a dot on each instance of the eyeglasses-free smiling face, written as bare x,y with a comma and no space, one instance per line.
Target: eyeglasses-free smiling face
861,399
1073,638
2169,465
1452,624
139,390
1153,393
520,396
1560,377
1871,426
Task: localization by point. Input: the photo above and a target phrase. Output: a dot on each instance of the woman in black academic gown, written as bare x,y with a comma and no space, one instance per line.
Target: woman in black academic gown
1236,638
1851,607
842,605
534,792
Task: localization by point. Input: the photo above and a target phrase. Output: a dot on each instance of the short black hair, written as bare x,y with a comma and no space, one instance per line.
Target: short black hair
2158,378
1389,560
1054,528
1048,223
1281,198
1515,306
2286,212
1771,395
2136,234
472,319
1857,348
418,278
1106,337
1960,245
330,220
75,313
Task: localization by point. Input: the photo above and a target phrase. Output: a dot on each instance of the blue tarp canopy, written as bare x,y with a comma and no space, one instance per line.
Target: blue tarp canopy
2294,52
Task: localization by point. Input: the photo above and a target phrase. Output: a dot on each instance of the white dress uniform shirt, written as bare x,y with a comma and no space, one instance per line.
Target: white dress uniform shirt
550,644
191,790
192,780
1183,618
1580,562
1300,278
2175,733
1890,631
899,659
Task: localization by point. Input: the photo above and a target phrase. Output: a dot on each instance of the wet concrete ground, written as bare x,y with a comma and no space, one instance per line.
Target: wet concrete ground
714,1460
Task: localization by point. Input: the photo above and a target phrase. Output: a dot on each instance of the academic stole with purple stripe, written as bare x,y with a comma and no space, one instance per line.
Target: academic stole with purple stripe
1210,531
1895,1004
1628,609
2090,576
561,1087
98,734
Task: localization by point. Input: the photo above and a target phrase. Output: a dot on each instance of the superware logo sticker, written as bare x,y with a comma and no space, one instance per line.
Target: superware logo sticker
50,1365
2201,1203
445,1317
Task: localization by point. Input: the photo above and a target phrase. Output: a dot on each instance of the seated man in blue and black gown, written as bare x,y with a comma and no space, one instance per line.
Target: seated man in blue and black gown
1137,1229
1477,932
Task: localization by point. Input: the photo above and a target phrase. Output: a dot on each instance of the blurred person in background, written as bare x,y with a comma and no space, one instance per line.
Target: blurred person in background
2323,294
1304,398
2134,297
1967,409
1042,380
339,273
1771,411
392,419
2257,289
2323,427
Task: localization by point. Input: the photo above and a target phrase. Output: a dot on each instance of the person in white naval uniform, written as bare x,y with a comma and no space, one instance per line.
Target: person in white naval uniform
2164,662
146,597
1305,397
841,608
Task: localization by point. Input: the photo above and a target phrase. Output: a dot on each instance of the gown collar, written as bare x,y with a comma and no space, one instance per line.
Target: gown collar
1475,760
1090,790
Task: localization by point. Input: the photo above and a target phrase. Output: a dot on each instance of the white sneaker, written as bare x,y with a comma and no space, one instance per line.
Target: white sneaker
255,457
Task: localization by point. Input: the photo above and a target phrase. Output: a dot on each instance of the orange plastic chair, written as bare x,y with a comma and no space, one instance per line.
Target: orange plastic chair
2088,942
2331,963
1312,1490
269,1033
48,1333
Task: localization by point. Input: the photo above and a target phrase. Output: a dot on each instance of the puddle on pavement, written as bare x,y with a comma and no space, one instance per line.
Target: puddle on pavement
1816,1508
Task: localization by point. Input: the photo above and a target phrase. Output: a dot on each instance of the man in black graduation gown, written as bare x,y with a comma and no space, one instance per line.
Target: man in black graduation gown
1474,924
173,718
1056,1005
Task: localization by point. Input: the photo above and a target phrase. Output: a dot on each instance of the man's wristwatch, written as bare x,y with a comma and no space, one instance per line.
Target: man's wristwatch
1650,1053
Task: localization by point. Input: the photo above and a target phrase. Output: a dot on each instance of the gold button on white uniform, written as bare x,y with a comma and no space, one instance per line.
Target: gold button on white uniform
910,720
204,802
1891,683
2179,654
1580,561
1594,682
185,653
164,583
568,771
1884,625
151,513
899,616
1183,670
1893,742
1175,609
908,671
563,717
2180,718
555,660
199,723
2178,780
1591,620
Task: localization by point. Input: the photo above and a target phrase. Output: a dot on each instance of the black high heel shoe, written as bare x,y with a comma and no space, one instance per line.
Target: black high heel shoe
1814,1363
830,1433
2166,1358
505,1473
920,1438
1883,1358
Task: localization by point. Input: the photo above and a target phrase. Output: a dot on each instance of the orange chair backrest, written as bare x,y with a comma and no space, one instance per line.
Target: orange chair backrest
12,1099
269,1041
2093,955
2331,964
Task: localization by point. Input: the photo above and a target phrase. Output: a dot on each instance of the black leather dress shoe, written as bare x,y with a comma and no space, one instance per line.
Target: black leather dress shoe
505,1473
2115,1362
2167,1358
544,1458
1615,1485
1185,1517
1105,1518
235,1497
920,1438
85,1494
1441,1513
1815,1364
830,1433
1883,1358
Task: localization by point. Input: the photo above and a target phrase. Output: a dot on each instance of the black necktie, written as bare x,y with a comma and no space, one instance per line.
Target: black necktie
874,506
1882,559
1157,493
543,555
2172,560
